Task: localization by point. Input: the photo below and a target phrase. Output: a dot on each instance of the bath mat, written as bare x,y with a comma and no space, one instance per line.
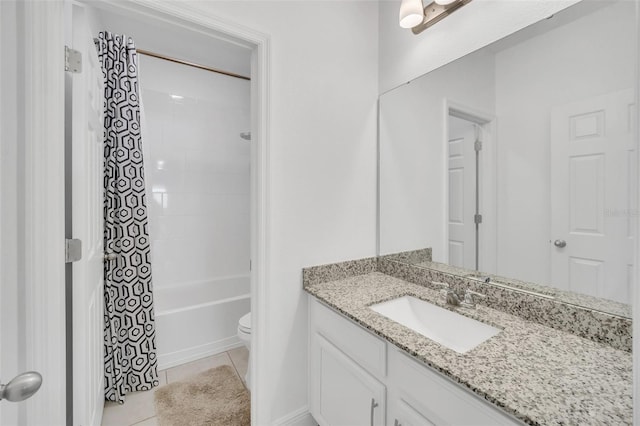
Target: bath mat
215,397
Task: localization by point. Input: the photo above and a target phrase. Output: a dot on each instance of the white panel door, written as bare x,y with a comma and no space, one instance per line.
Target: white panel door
592,162
87,200
462,193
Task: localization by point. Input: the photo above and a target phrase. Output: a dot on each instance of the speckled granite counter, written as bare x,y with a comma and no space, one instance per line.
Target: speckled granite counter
539,374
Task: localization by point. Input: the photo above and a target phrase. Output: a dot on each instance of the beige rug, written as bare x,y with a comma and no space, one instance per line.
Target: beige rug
215,397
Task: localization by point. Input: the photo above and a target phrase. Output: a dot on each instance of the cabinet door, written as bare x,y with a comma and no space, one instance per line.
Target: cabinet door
343,393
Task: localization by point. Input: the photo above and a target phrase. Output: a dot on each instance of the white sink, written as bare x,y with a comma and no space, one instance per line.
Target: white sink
448,328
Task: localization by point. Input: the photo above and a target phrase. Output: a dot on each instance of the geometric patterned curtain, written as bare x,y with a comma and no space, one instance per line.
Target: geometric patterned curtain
129,325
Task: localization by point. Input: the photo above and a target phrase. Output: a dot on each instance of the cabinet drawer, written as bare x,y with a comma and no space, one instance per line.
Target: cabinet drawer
363,347
437,399
403,414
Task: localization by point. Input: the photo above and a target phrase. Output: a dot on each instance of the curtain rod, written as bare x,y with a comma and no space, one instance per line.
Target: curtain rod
180,61
191,64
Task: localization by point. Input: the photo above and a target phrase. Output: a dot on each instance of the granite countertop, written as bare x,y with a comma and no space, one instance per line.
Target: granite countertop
538,374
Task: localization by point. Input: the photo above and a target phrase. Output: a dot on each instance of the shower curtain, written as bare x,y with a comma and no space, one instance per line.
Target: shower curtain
129,325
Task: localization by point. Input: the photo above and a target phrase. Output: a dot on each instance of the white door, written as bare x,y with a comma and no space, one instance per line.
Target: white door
87,219
31,210
462,193
9,321
592,161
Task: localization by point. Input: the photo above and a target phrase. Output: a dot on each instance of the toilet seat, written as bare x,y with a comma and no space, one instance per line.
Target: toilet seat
244,324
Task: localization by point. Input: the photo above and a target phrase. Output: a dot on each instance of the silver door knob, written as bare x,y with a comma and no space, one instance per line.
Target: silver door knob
560,243
21,387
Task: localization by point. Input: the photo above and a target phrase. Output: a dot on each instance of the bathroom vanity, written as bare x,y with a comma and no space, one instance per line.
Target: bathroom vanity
368,369
357,377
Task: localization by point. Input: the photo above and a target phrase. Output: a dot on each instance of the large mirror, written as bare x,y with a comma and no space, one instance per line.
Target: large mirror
518,160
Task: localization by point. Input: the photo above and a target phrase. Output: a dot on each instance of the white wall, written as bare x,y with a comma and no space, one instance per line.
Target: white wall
413,150
582,59
323,89
197,172
405,56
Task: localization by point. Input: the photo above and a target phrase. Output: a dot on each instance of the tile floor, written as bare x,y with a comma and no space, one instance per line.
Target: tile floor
139,408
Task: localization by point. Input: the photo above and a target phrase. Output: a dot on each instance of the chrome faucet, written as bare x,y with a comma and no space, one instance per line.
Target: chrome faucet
466,299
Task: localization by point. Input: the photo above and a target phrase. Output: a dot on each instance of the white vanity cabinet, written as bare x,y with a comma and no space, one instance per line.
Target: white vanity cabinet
357,378
346,364
345,394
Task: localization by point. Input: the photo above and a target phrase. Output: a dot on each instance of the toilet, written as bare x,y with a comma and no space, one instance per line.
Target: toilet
244,334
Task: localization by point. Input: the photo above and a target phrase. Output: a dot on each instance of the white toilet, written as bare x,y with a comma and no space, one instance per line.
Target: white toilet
244,334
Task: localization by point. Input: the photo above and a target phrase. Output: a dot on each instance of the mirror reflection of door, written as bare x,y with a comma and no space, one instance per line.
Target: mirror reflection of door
592,155
463,237
464,169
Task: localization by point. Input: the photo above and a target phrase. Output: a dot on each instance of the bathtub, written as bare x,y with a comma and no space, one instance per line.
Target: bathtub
198,319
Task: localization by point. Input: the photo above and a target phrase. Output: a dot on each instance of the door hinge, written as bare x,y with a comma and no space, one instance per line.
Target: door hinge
477,146
477,219
72,250
72,60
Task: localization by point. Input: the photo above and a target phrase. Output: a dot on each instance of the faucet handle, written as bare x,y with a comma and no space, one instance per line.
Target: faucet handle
470,297
444,287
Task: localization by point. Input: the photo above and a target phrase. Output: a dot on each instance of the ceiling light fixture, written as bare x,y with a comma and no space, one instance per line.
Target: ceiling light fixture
413,16
411,13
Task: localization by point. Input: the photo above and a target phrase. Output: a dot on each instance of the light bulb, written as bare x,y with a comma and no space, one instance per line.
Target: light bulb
411,13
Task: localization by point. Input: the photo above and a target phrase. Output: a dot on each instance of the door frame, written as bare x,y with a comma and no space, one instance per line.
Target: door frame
635,296
488,180
42,46
182,14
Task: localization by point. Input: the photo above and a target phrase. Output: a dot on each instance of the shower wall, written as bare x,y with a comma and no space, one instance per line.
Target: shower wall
198,182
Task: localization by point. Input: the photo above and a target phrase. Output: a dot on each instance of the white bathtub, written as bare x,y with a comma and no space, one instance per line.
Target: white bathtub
195,320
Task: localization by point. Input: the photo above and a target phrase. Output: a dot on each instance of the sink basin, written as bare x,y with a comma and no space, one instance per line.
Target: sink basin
448,328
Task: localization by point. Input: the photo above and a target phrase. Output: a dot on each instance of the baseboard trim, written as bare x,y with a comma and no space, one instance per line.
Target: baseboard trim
299,417
183,356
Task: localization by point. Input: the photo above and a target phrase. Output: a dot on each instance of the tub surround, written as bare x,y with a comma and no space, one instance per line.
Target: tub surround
198,188
539,374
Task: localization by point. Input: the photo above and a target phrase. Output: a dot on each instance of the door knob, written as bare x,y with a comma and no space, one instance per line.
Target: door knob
21,387
560,243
